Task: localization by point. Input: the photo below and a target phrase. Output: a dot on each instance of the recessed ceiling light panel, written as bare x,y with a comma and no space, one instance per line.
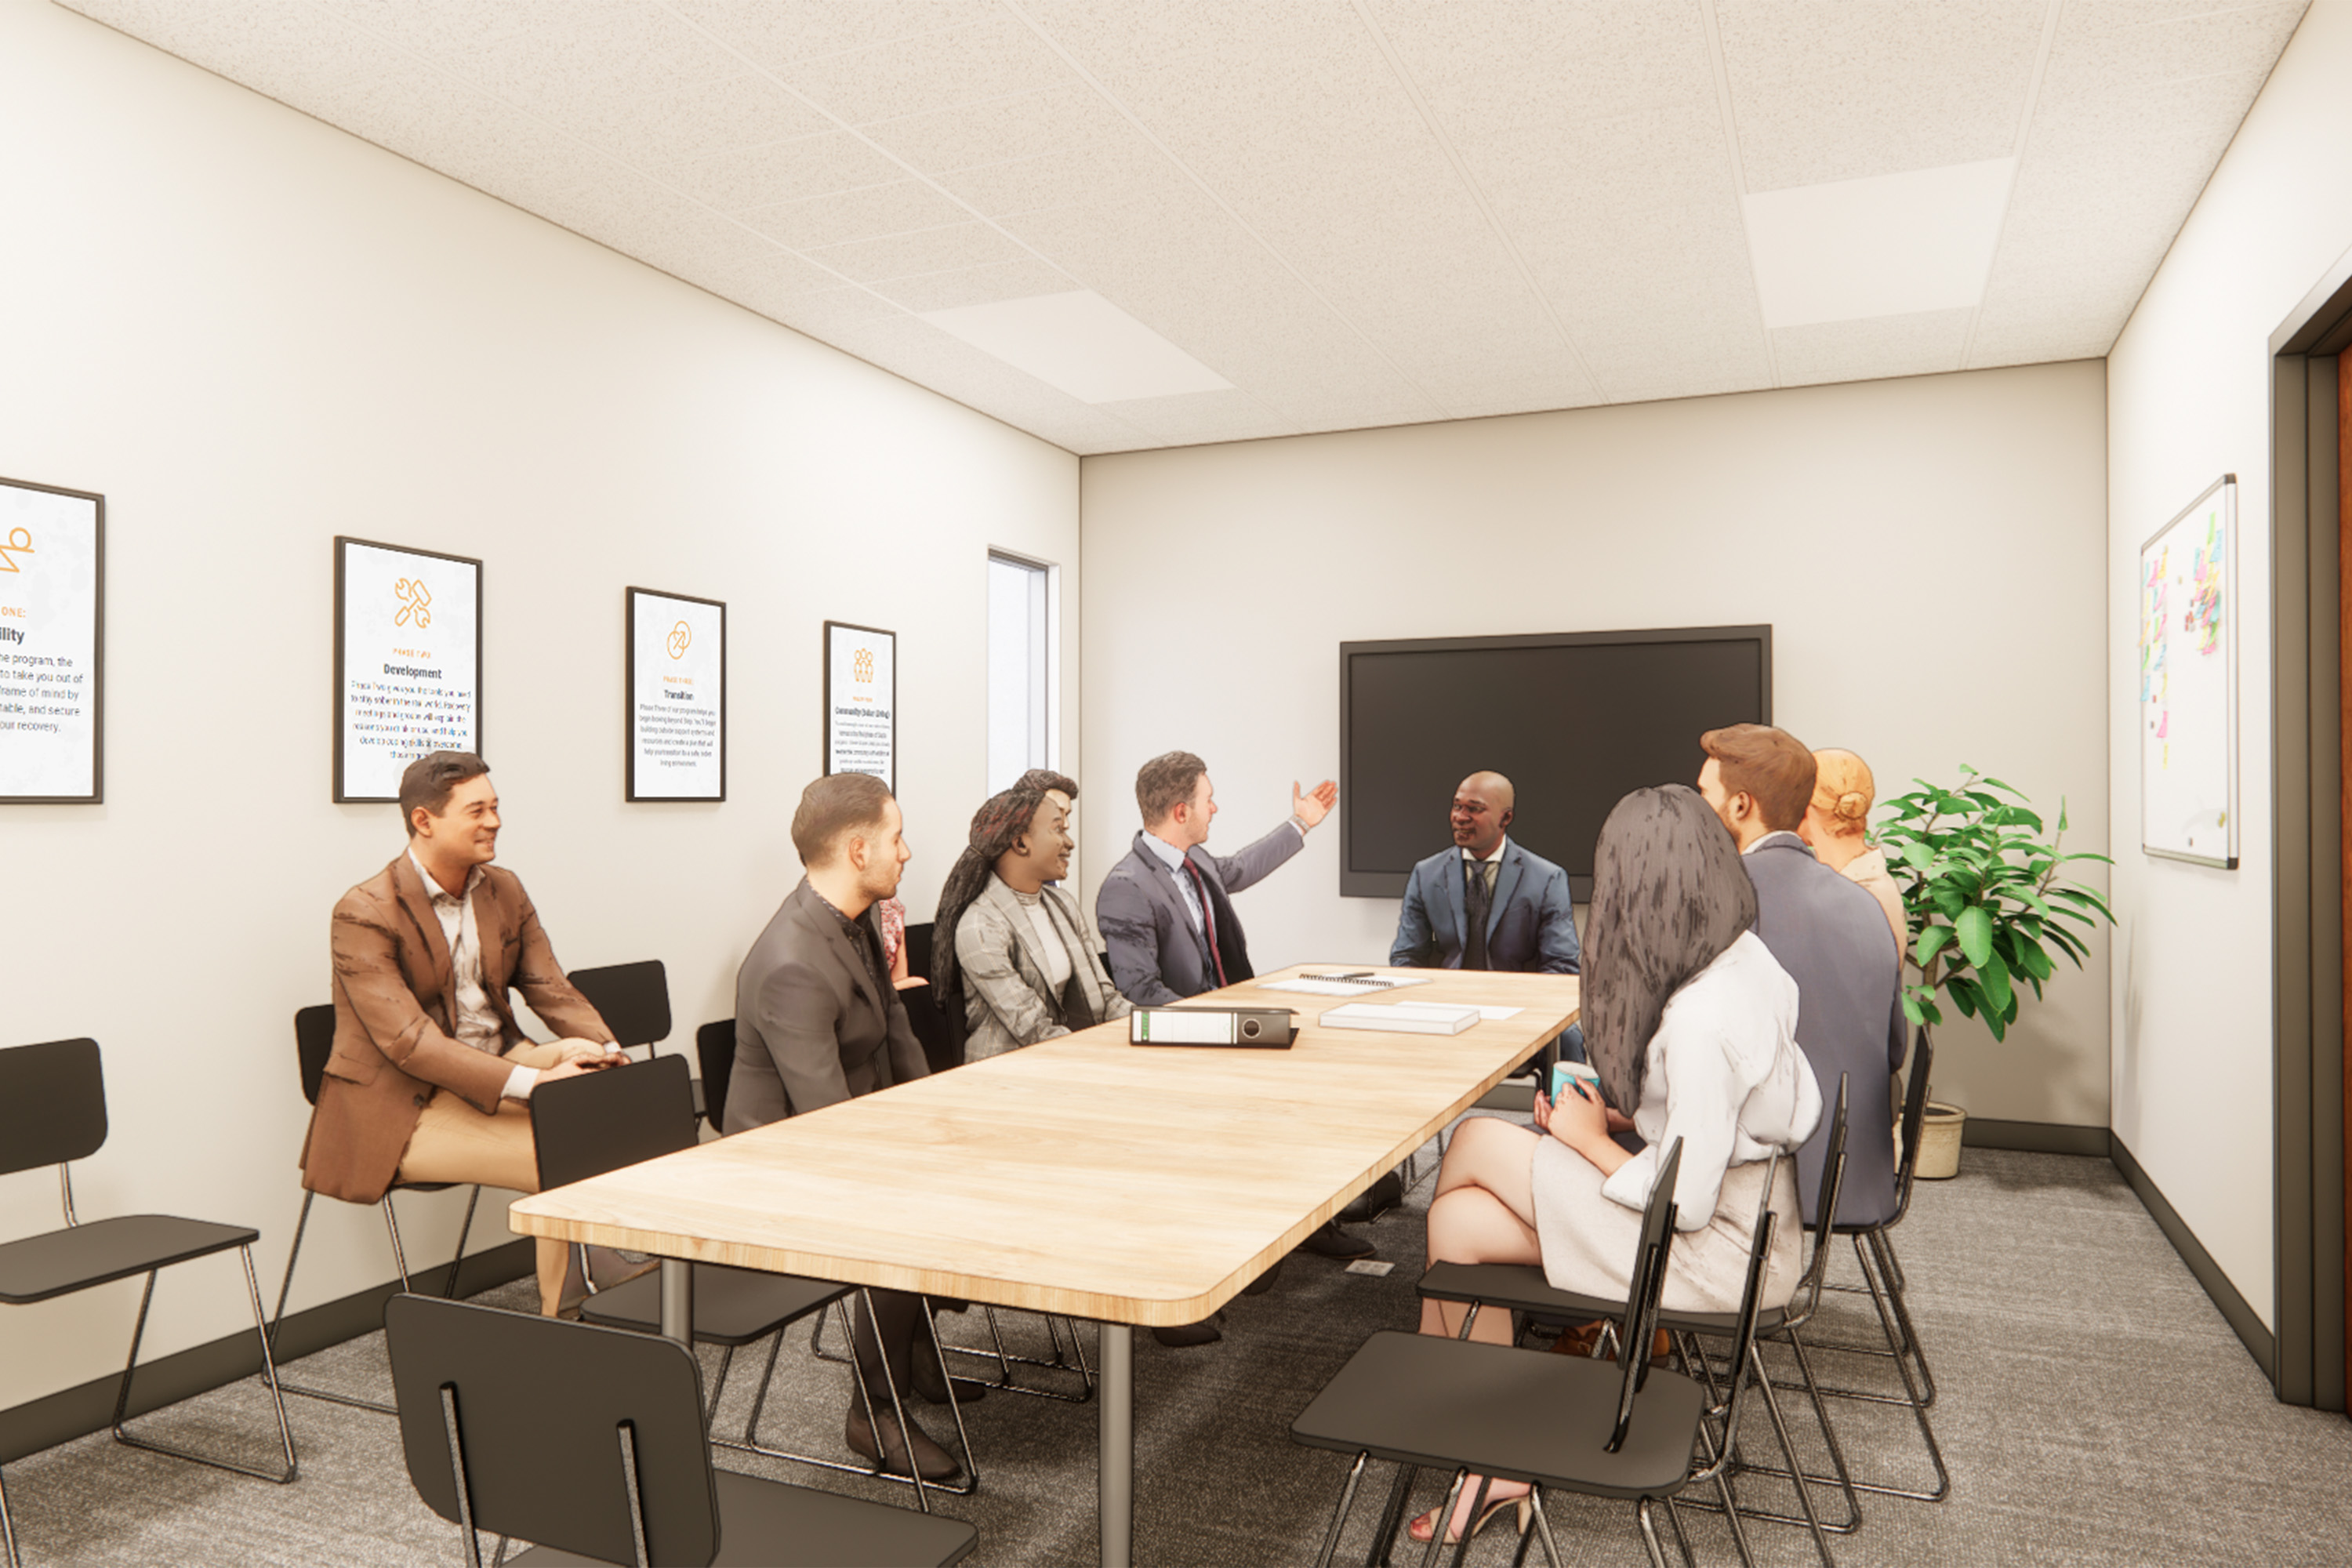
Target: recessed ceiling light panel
1893,245
1081,343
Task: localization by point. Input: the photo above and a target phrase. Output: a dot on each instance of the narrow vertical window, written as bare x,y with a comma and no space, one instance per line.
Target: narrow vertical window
1020,654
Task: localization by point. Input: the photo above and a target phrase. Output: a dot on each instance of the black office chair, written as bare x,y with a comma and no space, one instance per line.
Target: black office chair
590,1442
634,1001
314,1042
1630,1431
53,1113
1522,1287
942,1037
601,1122
714,1049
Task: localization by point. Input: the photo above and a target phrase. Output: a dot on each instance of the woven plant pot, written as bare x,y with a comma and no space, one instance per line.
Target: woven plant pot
1939,1142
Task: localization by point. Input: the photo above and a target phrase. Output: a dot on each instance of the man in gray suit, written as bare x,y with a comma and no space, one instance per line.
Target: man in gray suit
1830,936
1166,913
1525,921
817,1022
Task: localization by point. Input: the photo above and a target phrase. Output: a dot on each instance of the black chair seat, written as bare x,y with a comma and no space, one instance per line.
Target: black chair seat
731,1306
60,1262
1522,1287
1523,1415
766,1524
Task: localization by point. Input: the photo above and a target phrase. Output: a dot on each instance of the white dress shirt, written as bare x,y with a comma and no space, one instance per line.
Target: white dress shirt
478,1022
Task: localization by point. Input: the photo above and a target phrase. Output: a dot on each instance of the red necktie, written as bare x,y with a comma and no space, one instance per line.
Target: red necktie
1208,919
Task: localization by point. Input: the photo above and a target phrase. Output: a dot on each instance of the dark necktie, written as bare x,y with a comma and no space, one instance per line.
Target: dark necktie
1479,900
1208,919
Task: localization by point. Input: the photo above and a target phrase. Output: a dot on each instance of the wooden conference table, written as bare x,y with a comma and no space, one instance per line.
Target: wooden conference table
1083,1175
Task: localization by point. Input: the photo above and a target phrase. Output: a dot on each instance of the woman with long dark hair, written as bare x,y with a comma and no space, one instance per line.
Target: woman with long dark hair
1692,1027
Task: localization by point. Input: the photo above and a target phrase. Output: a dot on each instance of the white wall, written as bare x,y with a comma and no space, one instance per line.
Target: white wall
251,332
2190,400
1928,553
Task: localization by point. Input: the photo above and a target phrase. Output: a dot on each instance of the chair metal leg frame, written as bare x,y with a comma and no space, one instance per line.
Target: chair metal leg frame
750,1443
1006,1360
399,1262
8,1526
1842,1479
1905,1347
268,1373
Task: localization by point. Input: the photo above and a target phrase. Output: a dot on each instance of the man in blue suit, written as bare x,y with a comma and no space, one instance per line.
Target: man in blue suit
1528,921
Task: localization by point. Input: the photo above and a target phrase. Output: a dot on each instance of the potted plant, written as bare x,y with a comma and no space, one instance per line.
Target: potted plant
1980,882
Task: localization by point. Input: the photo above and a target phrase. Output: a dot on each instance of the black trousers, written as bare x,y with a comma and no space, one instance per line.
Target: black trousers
899,1314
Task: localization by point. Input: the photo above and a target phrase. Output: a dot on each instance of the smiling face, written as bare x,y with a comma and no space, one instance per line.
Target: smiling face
465,832
1483,809
1193,816
1041,853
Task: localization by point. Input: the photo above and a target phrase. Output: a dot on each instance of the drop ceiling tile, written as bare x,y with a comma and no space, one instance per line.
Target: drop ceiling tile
788,170
907,255
2105,50
991,58
660,128
1871,350
1200,416
448,29
1825,92
596,48
770,33
899,207
945,140
826,314
1021,280
1116,169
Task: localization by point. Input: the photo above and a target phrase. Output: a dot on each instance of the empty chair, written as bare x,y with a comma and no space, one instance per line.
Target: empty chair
585,1126
589,1441
314,1041
52,1112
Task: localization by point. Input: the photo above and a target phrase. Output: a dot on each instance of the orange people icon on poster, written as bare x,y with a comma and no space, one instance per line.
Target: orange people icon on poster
681,638
415,603
19,542
863,665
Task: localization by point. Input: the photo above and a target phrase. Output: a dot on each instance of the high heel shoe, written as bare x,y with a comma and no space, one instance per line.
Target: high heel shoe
1522,1506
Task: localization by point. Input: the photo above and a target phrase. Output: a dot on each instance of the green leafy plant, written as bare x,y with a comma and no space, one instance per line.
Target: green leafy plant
1980,875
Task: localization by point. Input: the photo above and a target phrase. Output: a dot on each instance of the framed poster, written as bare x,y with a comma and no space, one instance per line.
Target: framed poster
2189,682
52,644
861,701
408,662
677,694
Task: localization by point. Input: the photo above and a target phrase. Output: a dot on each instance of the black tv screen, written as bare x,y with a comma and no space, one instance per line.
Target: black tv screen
1575,719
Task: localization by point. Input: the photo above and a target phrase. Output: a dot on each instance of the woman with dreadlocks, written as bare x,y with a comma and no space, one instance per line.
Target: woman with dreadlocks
1015,954
1692,1027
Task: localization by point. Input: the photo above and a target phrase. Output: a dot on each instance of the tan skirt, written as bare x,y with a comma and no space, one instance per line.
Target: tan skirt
1589,1239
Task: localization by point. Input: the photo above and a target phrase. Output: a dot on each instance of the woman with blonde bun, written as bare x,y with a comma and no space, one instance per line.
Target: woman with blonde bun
1834,824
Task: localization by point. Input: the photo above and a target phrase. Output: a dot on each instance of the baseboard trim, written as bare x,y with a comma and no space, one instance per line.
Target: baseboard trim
76,1411
2035,1137
2259,1340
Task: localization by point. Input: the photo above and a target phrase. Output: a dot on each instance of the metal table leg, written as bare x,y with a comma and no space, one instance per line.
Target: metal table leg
1115,1481
678,1300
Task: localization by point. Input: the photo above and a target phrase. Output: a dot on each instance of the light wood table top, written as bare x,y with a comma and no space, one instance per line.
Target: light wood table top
1083,1175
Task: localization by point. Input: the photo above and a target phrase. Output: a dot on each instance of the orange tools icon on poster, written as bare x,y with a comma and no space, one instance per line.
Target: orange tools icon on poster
19,542
681,638
415,603
863,666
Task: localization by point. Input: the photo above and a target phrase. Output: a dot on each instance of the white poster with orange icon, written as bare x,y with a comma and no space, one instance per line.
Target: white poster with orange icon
408,662
676,690
52,560
861,701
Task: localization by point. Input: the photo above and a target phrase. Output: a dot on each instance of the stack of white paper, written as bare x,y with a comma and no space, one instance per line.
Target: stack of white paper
1401,1017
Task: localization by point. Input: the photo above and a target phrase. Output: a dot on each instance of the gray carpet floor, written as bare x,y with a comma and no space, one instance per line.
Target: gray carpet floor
2095,1409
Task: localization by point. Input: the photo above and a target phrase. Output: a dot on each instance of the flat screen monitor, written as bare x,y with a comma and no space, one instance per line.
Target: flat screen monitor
1575,719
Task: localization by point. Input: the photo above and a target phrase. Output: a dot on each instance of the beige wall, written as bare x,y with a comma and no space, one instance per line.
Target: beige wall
252,332
2190,391
1928,552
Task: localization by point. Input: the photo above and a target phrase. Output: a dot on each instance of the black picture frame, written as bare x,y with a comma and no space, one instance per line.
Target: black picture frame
97,793
337,739
630,599
891,776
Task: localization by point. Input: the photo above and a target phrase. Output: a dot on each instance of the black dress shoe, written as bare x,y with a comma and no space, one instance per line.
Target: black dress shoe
1331,1241
1183,1335
1375,1200
1263,1282
928,1386
935,1462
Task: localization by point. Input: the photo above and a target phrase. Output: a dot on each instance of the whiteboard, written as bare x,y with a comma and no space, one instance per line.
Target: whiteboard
2189,682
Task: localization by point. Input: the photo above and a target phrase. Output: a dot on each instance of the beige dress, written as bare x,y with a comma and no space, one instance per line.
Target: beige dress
1726,1076
1869,868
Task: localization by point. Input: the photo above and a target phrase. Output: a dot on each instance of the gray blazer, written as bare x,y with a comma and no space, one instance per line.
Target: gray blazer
1007,1000
1157,954
810,1027
1830,934
1530,925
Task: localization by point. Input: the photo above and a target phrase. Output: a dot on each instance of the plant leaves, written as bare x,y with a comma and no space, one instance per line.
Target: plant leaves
1931,941
2000,996
1973,928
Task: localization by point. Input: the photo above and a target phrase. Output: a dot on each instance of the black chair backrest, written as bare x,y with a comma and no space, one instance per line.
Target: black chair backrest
314,1042
52,1104
1915,1119
546,1415
714,1048
1825,1202
631,998
618,1115
940,1034
1751,1305
1649,1280
918,948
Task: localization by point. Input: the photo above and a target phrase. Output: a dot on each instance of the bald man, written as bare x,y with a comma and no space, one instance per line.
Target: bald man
1486,903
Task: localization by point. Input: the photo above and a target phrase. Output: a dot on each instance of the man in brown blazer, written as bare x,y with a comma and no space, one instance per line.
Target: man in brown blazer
429,1073
817,1022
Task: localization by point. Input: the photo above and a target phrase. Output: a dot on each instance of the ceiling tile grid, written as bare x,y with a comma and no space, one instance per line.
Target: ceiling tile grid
1356,212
